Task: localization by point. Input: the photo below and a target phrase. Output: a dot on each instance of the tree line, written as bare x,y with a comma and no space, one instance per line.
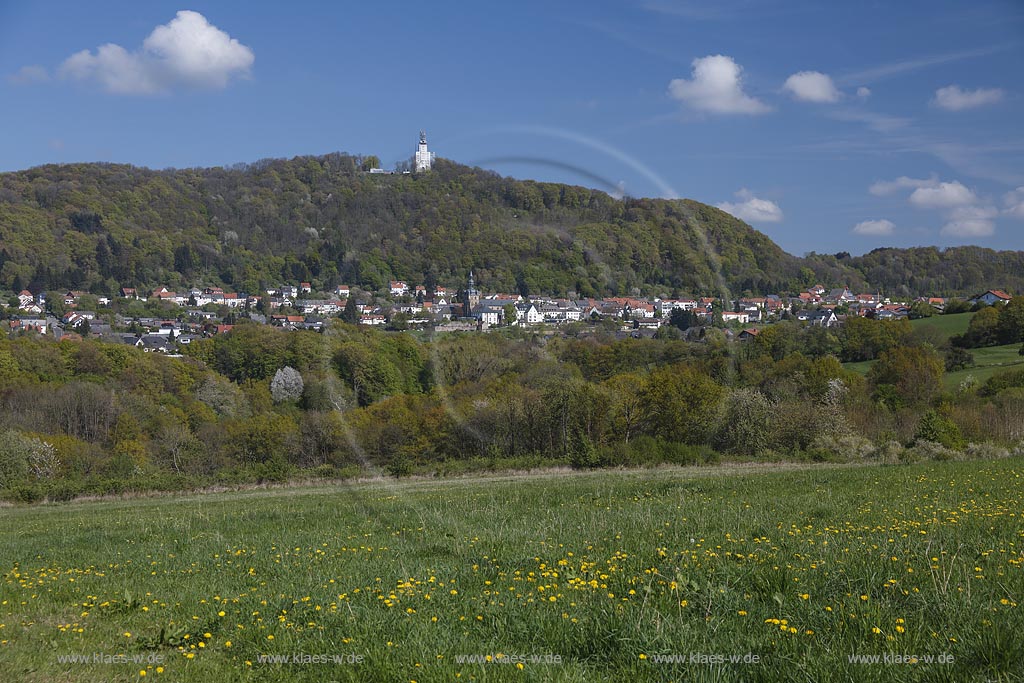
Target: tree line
262,404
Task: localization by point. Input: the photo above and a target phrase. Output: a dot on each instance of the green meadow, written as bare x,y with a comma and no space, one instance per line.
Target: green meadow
988,361
815,573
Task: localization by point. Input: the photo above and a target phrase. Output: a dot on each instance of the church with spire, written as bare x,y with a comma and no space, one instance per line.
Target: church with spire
472,296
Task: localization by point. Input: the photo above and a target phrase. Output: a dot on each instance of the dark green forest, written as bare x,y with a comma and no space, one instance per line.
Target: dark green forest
98,227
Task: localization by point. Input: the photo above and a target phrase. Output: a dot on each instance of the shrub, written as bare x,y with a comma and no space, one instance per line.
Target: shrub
890,453
849,447
14,455
937,428
1002,381
928,450
985,451
747,424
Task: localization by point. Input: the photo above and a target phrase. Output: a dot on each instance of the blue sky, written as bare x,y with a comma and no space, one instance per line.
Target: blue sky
828,126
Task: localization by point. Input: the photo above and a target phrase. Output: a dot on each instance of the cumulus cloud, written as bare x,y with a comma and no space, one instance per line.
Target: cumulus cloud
971,221
863,92
1014,202
752,209
716,86
812,86
943,196
967,216
875,227
954,98
187,52
886,187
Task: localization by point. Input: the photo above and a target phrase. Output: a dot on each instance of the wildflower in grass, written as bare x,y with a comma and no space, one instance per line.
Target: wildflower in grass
876,630
227,643
864,598
159,669
142,672
642,656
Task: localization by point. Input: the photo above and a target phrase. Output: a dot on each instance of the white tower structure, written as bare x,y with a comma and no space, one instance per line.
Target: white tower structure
424,157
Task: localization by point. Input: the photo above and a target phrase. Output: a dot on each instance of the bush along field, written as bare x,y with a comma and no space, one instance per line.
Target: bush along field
260,404
755,573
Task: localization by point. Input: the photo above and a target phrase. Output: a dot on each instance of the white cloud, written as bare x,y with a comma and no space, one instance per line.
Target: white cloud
965,214
943,196
971,221
1014,202
885,187
954,98
876,227
863,92
752,209
716,87
812,86
29,74
187,52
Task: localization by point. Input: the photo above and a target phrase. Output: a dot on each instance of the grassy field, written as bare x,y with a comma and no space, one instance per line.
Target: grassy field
948,325
987,362
596,576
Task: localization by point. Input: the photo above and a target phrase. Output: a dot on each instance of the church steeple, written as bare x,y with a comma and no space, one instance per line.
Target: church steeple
472,295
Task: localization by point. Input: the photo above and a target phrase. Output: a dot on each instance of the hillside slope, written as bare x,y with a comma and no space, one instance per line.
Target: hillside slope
319,219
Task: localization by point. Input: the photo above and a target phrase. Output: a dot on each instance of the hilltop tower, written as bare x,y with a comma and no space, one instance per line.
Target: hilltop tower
424,157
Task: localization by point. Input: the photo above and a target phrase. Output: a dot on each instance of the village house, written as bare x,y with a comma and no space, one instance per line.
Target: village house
741,317
822,317
992,296
37,325
748,334
398,288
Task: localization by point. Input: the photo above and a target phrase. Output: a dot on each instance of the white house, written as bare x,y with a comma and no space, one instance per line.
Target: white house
742,317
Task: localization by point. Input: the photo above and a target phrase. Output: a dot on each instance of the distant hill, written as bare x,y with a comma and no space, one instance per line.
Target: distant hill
320,219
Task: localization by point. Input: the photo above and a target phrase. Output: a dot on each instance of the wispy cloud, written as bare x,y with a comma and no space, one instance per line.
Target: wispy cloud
887,187
882,123
883,71
29,74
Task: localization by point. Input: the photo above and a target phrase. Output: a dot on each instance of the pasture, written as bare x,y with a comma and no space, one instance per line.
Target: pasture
561,576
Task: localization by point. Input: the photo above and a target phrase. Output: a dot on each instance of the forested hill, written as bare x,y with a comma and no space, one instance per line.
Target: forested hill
321,219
